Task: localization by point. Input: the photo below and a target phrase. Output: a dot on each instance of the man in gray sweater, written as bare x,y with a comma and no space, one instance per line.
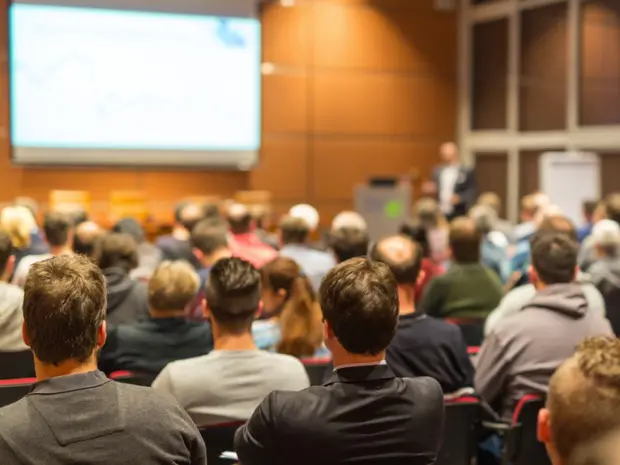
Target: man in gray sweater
74,414
521,353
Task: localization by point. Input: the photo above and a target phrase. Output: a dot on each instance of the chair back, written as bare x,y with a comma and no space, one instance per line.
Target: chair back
130,377
11,390
472,329
219,438
16,365
459,435
522,445
318,369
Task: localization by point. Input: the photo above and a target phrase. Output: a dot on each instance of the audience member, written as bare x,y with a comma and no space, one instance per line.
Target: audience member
348,242
512,303
427,215
176,246
307,213
469,289
581,423
19,223
349,220
59,232
117,254
292,318
209,241
261,217
75,414
530,208
228,383
295,237
611,209
588,209
149,255
38,245
423,345
494,248
430,269
148,346
244,242
492,200
521,353
323,424
87,234
11,298
604,273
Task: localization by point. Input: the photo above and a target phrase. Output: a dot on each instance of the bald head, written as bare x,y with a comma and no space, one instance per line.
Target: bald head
190,214
449,152
401,255
239,218
86,235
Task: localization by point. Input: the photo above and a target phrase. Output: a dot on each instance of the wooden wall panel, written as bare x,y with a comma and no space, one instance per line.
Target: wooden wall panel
286,34
492,175
285,103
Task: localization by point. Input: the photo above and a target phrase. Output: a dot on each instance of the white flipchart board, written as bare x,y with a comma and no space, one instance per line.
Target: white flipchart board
569,178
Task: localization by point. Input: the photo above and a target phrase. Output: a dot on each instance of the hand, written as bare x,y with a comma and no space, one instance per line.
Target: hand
456,199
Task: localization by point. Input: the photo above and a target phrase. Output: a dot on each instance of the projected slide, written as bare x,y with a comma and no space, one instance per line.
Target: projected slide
103,79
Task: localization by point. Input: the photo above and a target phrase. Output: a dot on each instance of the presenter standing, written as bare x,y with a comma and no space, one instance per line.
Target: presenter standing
453,184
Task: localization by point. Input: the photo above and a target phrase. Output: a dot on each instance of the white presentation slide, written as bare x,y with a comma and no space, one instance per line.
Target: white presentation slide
88,78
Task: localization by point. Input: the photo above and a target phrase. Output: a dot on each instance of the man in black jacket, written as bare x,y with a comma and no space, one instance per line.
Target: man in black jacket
423,345
363,414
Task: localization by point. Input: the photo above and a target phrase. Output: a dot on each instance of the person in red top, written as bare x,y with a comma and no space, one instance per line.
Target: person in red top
244,242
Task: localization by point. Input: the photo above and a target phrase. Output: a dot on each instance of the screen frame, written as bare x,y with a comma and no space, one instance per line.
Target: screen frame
218,160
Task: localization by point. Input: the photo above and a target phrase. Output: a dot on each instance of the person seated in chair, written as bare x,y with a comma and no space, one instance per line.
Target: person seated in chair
228,383
364,414
74,413
148,346
423,345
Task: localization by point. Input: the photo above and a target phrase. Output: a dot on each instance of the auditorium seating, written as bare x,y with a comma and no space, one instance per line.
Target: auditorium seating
11,390
472,329
16,365
318,369
459,436
129,377
219,438
521,443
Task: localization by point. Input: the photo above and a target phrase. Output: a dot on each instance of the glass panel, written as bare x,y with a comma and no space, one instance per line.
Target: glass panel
490,71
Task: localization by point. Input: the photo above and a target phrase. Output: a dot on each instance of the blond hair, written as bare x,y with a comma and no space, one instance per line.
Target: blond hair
172,286
18,223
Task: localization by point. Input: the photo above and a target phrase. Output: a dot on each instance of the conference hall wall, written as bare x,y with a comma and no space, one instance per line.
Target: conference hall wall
351,88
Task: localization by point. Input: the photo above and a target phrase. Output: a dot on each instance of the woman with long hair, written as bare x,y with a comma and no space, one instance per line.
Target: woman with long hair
291,306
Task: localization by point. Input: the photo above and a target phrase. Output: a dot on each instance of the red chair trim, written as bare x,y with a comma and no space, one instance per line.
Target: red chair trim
465,321
316,361
473,350
17,381
524,400
120,374
463,400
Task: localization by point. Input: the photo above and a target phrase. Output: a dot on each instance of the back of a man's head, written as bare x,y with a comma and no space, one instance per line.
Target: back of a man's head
347,243
612,207
465,240
172,287
233,293
606,237
359,300
484,217
294,230
554,224
6,251
402,255
58,228
490,199
188,214
583,404
64,307
554,259
116,251
209,237
239,218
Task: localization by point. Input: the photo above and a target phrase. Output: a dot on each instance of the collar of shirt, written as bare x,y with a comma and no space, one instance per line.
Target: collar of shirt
359,365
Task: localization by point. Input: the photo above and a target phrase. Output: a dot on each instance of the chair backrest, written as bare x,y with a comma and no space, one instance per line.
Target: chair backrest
11,390
130,377
459,435
318,369
522,445
472,329
16,365
219,438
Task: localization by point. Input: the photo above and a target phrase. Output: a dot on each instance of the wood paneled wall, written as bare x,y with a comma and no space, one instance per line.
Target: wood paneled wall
357,87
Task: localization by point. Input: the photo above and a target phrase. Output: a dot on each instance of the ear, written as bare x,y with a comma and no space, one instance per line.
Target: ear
543,427
329,333
9,268
281,293
198,254
421,277
206,311
259,310
576,273
25,336
533,275
102,335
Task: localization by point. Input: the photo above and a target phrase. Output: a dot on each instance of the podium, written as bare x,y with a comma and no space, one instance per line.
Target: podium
384,206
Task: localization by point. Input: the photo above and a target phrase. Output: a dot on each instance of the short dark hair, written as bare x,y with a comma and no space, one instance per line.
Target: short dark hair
6,250
589,206
132,227
233,293
418,234
116,251
406,267
57,227
294,230
612,204
64,306
208,237
240,224
359,300
348,243
465,240
554,257
552,225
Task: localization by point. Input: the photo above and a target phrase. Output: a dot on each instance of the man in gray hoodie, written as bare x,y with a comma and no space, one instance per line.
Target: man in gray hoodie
521,353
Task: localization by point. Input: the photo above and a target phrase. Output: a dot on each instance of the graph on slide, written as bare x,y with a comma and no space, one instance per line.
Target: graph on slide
109,79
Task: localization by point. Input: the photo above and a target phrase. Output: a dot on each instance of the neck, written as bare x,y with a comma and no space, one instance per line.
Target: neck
68,367
341,357
156,314
57,250
406,299
209,260
227,341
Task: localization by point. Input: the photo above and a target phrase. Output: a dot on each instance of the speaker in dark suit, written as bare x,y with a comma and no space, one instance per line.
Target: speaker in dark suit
363,414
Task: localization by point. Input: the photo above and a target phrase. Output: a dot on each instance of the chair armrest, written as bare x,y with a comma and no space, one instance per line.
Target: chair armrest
498,427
